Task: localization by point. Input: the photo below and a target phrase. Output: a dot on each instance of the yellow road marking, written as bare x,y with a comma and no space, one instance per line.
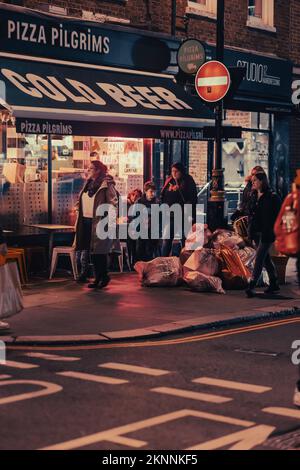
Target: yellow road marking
232,385
111,434
52,357
157,343
48,389
286,412
244,440
206,397
135,369
92,378
19,365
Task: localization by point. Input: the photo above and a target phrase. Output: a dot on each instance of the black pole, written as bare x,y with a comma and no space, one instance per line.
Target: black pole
217,199
49,179
173,18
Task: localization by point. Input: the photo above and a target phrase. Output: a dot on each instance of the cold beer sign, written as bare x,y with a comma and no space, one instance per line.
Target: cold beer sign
212,81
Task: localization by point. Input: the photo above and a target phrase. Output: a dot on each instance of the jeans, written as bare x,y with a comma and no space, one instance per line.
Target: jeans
131,246
147,250
83,262
264,260
167,243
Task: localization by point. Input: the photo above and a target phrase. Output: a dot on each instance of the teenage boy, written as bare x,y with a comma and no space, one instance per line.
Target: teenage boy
148,249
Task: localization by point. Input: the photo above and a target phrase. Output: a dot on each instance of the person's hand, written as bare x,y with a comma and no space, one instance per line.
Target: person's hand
3,249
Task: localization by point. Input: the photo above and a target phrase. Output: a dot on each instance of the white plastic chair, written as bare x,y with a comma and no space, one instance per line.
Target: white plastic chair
125,253
66,251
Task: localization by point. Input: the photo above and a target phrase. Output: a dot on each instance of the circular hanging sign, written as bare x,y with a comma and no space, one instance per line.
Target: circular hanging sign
190,56
212,81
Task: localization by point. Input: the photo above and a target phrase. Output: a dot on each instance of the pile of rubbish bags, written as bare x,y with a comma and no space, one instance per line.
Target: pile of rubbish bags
210,262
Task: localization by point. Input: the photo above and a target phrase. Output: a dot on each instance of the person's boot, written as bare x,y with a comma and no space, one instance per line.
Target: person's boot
273,288
250,292
95,284
105,281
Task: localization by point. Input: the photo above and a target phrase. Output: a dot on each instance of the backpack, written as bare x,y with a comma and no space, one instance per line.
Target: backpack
287,225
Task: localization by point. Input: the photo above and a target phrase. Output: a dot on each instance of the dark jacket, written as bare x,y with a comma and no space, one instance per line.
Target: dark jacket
106,194
248,202
183,192
264,216
2,239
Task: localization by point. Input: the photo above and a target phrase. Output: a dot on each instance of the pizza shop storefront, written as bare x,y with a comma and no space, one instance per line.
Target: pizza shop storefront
57,110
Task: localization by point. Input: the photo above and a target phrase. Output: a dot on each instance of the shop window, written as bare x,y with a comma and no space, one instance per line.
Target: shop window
261,14
241,155
71,158
24,173
203,7
124,159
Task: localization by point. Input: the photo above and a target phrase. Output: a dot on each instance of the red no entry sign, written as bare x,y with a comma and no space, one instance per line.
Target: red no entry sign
212,81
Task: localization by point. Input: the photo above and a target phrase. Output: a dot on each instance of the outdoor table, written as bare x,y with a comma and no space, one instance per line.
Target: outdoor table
51,229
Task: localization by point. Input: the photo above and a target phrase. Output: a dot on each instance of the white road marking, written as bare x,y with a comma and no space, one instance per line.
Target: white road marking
244,387
52,357
92,378
213,81
111,434
2,377
20,365
245,440
126,441
286,412
48,389
176,392
135,369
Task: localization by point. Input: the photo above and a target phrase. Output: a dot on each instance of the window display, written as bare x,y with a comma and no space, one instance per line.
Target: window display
24,173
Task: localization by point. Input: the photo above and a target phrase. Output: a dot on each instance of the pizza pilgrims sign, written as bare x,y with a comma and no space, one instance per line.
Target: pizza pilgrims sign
212,81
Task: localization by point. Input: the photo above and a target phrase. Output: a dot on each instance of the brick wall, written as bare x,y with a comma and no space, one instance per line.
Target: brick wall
149,15
294,33
198,162
156,16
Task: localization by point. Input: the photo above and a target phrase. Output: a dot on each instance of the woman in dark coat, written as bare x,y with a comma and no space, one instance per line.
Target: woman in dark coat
99,189
263,220
180,188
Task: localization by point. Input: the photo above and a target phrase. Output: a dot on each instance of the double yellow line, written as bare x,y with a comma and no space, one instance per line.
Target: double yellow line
167,342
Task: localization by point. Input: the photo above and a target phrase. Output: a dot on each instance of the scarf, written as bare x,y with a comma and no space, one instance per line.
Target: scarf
92,186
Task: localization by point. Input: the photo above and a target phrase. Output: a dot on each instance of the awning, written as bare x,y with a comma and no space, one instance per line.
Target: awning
49,96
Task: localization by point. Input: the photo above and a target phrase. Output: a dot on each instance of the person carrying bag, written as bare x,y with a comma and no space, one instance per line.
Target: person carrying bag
11,298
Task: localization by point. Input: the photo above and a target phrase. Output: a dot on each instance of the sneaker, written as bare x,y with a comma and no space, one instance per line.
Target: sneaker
4,325
297,398
273,289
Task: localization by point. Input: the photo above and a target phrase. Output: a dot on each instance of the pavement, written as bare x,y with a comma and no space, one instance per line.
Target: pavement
63,312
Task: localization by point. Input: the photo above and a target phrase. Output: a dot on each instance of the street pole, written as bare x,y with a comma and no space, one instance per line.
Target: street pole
173,18
49,179
216,202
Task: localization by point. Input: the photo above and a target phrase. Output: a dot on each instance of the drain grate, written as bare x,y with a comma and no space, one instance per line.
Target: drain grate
288,441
